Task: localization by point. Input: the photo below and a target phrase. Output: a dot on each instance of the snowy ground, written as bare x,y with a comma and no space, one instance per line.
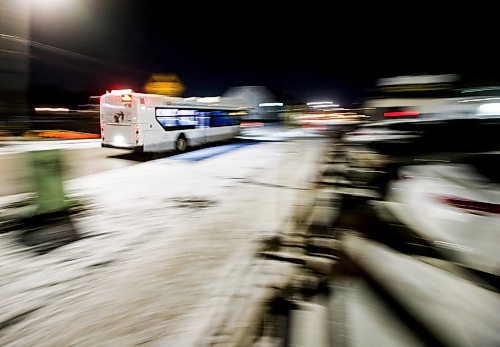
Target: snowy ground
277,132
8,147
164,243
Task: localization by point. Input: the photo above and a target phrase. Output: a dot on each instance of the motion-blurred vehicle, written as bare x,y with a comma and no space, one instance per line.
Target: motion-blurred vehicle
158,123
383,131
405,97
475,132
427,113
456,207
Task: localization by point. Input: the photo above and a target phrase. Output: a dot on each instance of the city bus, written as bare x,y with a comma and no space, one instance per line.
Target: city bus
158,123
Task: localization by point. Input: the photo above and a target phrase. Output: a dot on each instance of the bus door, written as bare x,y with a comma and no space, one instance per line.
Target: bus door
117,114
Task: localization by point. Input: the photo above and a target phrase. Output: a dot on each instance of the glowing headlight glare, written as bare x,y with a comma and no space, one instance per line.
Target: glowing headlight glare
270,104
489,109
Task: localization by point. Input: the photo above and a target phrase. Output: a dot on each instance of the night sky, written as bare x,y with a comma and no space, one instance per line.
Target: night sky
301,53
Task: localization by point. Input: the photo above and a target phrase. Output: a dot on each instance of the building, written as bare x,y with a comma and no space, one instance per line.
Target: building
256,96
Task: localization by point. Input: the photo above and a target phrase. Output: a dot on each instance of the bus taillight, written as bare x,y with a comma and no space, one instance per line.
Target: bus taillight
136,127
101,121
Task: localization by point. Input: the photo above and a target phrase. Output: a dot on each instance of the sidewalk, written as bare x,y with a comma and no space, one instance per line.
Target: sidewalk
277,132
15,145
163,245
45,135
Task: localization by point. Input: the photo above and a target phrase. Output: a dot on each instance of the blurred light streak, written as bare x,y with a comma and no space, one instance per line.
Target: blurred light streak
489,109
482,99
269,104
402,114
51,109
482,89
319,103
326,105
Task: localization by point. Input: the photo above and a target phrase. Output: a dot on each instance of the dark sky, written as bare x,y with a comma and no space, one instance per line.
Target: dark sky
304,52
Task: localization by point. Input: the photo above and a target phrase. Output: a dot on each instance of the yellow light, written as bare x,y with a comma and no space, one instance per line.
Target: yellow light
164,88
126,98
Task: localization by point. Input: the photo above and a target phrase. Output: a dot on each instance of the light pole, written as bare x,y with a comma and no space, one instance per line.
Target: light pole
14,63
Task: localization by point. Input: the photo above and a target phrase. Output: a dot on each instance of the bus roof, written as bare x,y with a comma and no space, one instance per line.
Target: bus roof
199,102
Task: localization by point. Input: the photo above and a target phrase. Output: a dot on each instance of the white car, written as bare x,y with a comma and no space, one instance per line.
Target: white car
455,208
379,132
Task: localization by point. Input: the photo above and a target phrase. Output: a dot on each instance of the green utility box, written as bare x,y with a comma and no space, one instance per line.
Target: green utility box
47,173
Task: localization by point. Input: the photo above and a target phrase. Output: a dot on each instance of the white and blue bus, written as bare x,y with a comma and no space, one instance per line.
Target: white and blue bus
158,123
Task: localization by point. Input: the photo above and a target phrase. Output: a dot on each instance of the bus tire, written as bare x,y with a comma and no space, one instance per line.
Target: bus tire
181,144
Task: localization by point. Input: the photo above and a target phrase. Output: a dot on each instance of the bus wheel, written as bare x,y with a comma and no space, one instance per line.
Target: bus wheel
181,144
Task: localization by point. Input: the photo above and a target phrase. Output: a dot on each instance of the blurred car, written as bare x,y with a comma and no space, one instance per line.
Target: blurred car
379,132
476,133
426,114
455,207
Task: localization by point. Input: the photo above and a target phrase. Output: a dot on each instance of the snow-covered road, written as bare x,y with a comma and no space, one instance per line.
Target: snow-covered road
164,243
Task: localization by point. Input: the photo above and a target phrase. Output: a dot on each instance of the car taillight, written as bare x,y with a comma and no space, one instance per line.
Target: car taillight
470,206
402,114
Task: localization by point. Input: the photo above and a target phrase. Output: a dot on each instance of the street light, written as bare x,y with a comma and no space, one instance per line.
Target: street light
14,66
325,105
270,104
314,103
